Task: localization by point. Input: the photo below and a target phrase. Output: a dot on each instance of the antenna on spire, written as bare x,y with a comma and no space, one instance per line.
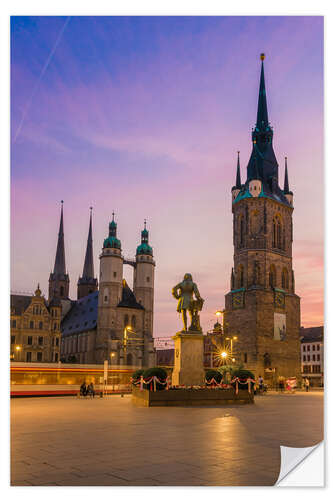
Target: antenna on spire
262,56
113,215
145,223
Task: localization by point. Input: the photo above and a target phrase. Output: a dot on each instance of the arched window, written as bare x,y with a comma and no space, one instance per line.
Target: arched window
41,325
126,320
133,321
277,233
285,279
61,291
272,276
241,231
240,276
31,325
256,273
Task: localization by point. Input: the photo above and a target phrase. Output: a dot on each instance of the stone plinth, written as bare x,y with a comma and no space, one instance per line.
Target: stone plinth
191,397
188,362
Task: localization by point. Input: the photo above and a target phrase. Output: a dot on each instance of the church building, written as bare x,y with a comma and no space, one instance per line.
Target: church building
262,310
106,322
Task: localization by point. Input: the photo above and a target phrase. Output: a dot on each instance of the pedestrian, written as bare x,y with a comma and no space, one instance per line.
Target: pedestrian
261,384
307,384
91,390
281,384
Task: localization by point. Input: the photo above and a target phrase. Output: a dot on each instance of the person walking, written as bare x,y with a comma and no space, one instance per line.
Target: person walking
307,384
261,384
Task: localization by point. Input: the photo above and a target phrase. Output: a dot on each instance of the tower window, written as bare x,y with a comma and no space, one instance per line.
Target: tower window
114,274
245,357
272,276
133,321
285,279
148,279
126,320
61,291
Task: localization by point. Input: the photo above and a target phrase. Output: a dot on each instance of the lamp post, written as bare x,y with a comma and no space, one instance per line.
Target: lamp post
18,350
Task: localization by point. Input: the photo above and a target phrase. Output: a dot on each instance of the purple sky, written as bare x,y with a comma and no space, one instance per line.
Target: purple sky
144,116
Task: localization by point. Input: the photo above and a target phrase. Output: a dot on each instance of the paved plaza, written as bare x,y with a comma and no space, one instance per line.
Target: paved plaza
74,442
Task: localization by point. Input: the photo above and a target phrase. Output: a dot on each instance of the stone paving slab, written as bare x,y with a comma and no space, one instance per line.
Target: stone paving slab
67,441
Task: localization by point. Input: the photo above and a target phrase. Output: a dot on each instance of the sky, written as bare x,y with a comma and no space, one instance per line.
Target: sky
144,116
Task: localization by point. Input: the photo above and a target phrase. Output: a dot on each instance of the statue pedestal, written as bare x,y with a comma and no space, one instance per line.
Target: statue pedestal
188,362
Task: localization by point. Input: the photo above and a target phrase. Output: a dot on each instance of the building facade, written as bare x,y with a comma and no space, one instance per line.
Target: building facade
107,321
262,308
34,328
312,355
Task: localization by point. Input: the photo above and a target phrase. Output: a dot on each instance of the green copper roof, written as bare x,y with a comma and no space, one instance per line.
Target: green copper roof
145,249
112,242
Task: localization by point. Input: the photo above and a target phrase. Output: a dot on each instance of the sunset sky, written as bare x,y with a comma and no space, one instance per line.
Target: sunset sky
144,116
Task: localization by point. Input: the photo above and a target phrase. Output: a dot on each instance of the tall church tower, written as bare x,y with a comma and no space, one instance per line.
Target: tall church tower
59,279
262,309
143,287
87,283
110,291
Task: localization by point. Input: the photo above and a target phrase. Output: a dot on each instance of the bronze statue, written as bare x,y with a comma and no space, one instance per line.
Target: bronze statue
184,292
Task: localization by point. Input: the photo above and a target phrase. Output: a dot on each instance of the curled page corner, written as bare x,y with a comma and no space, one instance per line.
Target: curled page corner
291,458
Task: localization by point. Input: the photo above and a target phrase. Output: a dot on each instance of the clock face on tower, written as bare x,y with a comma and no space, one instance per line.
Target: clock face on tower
279,299
237,300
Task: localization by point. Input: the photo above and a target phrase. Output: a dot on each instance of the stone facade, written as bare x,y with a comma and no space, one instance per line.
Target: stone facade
34,329
262,309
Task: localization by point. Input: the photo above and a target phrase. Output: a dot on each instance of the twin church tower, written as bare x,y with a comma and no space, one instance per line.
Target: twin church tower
109,321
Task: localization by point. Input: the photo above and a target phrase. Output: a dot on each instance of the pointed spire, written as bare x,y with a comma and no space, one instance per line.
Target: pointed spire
262,114
59,264
238,176
286,180
256,171
88,268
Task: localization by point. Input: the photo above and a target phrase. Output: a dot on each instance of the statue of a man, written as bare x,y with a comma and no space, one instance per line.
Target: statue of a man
184,292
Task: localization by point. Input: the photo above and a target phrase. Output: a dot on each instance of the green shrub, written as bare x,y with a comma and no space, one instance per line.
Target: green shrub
158,372
213,374
243,374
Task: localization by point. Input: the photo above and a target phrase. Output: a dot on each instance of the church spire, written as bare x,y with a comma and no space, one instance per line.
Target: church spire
238,176
286,180
88,283
88,268
59,280
262,114
59,263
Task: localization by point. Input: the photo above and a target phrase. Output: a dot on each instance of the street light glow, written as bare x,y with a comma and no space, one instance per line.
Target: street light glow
18,347
219,313
224,354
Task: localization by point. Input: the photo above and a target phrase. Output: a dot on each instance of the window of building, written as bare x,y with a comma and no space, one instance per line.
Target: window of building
285,279
31,324
308,357
308,348
313,347
114,274
126,320
245,357
304,358
307,369
28,357
57,341
40,340
41,325
39,356
54,326
61,291
12,339
318,357
316,369
56,355
318,347
14,323
29,340
133,321
148,279
313,357
304,348
272,276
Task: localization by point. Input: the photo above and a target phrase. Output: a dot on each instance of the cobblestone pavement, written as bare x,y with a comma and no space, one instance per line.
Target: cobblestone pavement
73,442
